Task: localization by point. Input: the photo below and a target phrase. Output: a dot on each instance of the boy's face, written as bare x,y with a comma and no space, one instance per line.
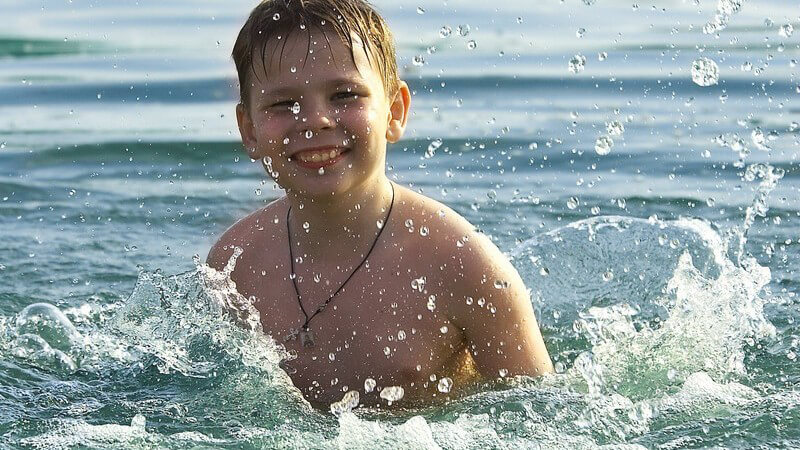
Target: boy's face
321,119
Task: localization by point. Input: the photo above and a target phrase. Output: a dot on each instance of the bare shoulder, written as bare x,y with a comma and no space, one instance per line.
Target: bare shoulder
462,251
250,233
482,293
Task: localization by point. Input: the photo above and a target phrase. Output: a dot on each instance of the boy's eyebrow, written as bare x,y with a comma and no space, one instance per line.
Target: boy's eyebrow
281,91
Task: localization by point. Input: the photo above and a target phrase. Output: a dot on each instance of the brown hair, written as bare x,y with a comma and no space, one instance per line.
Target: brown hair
274,18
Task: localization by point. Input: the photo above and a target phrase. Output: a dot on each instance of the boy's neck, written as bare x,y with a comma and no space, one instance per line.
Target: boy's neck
339,224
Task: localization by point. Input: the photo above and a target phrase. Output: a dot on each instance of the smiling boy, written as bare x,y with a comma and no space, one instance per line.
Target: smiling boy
375,288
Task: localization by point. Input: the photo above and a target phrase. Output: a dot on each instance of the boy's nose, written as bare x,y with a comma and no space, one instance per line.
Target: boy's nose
318,119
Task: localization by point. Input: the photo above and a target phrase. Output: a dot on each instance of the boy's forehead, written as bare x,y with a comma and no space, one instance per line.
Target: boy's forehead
290,55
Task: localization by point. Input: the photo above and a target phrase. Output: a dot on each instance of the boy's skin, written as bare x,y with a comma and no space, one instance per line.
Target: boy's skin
378,326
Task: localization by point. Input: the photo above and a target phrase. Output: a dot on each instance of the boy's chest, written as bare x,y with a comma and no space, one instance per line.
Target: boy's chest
383,325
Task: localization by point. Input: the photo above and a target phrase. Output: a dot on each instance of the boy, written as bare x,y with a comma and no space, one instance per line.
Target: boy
375,288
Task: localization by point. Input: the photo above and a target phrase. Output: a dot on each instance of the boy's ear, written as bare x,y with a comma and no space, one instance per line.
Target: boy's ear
247,131
398,113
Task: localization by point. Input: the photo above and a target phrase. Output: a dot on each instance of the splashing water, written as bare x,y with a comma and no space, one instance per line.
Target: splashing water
662,342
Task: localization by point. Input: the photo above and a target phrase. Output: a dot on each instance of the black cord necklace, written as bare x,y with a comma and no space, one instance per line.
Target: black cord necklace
306,335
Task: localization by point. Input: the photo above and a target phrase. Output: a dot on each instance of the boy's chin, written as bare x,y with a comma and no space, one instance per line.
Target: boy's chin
327,187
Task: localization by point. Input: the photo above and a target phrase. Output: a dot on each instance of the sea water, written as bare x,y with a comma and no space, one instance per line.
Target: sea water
636,162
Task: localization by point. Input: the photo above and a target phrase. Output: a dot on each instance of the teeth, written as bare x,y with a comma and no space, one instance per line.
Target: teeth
318,156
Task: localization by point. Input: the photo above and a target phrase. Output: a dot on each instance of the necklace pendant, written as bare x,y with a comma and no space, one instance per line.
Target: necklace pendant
307,338
292,336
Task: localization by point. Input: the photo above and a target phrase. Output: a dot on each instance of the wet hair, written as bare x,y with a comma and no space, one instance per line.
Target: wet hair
275,19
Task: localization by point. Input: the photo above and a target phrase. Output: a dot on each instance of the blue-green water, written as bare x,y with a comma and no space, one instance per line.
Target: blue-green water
664,274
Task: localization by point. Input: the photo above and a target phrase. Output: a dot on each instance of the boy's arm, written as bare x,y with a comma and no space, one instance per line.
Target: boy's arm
501,330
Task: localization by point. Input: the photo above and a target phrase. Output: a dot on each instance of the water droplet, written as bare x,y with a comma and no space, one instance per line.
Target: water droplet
445,31
346,404
471,44
608,275
387,351
306,226
443,329
759,139
276,16
577,63
705,72
401,335
309,134
418,284
503,373
332,356
615,128
423,231
445,385
295,108
463,30
369,385
432,147
603,145
418,60
544,271
392,393
285,141
580,32
595,210
710,202
379,224
321,171
469,300
431,303
746,67
786,30
420,10
293,69
602,56
573,202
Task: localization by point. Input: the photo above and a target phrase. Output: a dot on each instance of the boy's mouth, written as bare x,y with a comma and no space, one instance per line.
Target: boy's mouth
317,157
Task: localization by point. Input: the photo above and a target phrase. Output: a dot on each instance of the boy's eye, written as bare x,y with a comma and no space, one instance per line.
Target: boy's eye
345,95
283,104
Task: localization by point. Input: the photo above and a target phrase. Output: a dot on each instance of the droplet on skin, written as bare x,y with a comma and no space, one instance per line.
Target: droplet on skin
445,385
369,385
443,329
392,393
346,404
503,373
431,303
332,356
387,351
401,335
